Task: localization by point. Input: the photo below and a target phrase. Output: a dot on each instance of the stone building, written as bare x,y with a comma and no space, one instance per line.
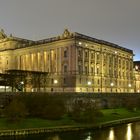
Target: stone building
137,76
74,62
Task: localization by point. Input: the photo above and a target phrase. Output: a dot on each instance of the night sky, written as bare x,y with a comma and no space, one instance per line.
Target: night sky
116,21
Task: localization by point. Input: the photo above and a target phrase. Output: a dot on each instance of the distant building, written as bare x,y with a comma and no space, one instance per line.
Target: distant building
137,76
74,62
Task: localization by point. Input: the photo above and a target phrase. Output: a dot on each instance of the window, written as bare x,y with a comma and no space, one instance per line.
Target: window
65,68
79,52
48,56
65,53
98,81
86,54
64,80
86,69
92,56
80,68
92,70
97,70
98,56
80,81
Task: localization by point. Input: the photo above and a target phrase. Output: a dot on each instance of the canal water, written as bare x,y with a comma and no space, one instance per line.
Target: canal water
129,131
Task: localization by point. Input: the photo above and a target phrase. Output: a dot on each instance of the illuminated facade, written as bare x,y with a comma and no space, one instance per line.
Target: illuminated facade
137,76
74,62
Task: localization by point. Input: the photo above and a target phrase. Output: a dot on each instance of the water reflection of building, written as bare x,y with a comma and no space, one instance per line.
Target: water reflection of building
73,61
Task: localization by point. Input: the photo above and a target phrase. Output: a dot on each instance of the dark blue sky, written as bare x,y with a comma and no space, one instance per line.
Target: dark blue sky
117,21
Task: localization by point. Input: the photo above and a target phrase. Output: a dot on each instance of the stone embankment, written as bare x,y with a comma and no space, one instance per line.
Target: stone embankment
66,128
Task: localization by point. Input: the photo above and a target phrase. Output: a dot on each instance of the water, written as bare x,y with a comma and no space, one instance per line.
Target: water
129,131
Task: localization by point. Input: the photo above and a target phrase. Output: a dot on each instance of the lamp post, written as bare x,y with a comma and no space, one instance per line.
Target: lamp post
89,83
55,82
112,84
129,86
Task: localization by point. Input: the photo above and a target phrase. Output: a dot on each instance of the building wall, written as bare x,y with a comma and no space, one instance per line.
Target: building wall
103,68
72,64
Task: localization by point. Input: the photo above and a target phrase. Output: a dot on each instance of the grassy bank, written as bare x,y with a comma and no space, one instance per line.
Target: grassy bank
108,115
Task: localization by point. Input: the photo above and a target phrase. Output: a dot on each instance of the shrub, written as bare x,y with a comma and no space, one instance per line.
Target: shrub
15,111
84,111
45,106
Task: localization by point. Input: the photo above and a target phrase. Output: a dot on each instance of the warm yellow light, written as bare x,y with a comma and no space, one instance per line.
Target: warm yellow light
129,132
112,84
22,82
111,134
89,83
80,43
129,85
55,81
136,67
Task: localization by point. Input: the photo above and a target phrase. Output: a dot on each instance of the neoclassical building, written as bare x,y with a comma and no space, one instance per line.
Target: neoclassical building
74,62
137,76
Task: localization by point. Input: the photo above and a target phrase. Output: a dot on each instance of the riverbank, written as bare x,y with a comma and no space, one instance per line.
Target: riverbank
111,117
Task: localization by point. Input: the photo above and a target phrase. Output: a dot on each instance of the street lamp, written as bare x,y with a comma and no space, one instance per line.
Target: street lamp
112,84
20,86
129,85
89,83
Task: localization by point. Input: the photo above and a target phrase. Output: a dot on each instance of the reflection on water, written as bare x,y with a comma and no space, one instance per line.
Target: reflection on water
123,132
129,135
111,134
89,136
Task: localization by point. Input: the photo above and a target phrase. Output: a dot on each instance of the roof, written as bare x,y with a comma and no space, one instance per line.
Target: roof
76,35
66,35
81,36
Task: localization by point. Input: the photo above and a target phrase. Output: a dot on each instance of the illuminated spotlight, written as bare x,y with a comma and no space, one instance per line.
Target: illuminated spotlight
55,81
80,43
22,82
112,84
129,85
89,83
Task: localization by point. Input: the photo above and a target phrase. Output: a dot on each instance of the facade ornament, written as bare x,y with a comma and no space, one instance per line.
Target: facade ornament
2,34
66,34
